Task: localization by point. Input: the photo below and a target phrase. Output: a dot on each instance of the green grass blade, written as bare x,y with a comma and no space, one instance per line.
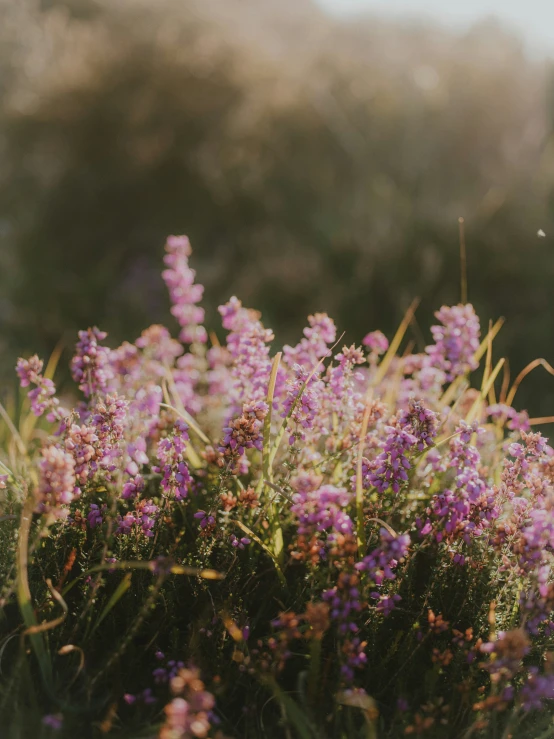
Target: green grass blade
119,592
266,549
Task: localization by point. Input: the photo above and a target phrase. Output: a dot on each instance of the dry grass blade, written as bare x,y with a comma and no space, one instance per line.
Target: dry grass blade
541,420
359,485
182,413
48,625
14,432
395,343
475,408
455,387
152,565
266,466
68,649
524,372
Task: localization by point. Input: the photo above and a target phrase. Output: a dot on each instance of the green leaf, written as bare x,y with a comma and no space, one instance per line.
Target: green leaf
119,592
294,714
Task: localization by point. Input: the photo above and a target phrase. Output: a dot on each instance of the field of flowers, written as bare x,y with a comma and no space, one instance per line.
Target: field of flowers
219,540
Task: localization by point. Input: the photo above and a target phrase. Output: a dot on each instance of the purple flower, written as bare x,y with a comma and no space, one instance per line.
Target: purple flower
376,341
537,689
247,346
53,720
56,487
422,423
379,565
306,402
245,432
133,487
468,508
206,520
321,511
342,397
183,291
314,346
456,340
42,396
239,543
389,469
141,520
176,479
95,514
91,367
344,603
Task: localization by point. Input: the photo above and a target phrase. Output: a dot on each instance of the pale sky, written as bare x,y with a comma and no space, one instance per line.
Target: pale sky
534,19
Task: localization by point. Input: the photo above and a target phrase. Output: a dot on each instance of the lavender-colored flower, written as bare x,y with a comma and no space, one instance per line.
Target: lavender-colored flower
468,509
136,451
141,520
176,480
188,715
206,520
159,348
379,565
314,345
377,342
91,367
147,514
322,511
537,601
344,603
133,487
95,515
245,432
183,291
109,421
456,340
518,473
81,443
389,469
42,396
304,394
536,539
247,346
53,721
56,487
421,421
241,543
342,396
537,689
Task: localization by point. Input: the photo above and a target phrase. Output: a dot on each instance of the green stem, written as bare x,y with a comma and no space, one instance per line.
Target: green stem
24,592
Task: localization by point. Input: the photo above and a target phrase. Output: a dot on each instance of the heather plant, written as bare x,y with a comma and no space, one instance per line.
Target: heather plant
208,539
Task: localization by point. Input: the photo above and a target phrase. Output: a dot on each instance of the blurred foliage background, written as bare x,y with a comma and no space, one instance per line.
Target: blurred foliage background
316,164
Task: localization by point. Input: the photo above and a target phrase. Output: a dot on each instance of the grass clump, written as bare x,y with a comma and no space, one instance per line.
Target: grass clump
332,540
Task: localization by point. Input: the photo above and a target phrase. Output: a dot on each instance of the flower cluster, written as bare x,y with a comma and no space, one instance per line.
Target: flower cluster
183,291
348,524
42,396
320,516
176,479
244,432
91,367
190,714
56,488
456,340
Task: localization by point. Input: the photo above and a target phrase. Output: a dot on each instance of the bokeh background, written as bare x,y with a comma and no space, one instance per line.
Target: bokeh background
318,160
